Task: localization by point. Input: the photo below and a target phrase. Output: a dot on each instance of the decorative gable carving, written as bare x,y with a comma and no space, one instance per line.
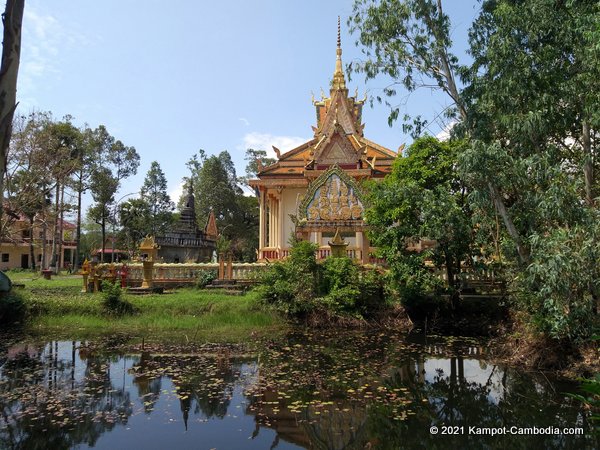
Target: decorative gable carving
331,197
337,150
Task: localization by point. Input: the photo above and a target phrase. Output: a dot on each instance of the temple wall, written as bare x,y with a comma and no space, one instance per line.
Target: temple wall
290,198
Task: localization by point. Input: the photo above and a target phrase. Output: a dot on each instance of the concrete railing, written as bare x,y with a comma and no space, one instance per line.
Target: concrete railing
189,272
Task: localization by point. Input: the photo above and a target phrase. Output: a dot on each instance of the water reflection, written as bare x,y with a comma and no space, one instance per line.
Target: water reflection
332,391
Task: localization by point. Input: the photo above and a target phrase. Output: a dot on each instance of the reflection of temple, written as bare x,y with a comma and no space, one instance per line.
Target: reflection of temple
185,242
319,182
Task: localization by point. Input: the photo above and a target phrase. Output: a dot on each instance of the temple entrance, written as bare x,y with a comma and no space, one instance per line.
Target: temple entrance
25,261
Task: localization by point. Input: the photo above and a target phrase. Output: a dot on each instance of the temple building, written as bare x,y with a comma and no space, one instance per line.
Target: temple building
314,190
185,242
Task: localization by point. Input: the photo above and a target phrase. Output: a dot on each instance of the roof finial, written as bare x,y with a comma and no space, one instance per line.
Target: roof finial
339,41
338,76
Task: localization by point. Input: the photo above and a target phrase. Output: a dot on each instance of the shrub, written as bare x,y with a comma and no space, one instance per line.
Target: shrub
299,285
112,301
12,308
205,277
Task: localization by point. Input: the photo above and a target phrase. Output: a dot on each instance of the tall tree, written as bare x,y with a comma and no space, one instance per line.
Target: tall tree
216,189
12,20
256,159
422,199
114,162
135,215
533,100
154,193
409,41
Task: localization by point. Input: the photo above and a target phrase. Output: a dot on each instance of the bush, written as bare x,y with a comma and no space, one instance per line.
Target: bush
112,301
205,277
12,308
300,286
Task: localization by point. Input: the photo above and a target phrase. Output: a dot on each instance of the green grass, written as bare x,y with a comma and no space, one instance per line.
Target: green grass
58,307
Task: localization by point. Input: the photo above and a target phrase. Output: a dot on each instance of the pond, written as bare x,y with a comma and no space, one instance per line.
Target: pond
305,390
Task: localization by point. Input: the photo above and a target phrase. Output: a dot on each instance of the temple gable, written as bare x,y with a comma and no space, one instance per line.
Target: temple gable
313,190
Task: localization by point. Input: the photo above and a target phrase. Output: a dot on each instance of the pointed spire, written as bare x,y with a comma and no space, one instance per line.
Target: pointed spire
339,82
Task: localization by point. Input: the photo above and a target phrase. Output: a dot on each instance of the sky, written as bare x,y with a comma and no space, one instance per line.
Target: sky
170,78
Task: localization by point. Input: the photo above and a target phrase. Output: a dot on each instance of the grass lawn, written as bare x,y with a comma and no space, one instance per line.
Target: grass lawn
57,306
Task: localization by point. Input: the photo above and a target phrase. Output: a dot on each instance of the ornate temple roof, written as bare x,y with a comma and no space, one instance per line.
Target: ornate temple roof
338,139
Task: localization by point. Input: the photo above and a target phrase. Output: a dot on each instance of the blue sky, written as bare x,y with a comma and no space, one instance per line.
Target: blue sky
172,77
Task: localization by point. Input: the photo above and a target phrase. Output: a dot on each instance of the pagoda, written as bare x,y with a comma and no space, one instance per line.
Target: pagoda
314,190
184,241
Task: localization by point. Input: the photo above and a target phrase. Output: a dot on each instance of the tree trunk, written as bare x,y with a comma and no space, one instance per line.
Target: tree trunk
61,261
53,254
78,230
11,53
103,228
524,255
31,246
43,264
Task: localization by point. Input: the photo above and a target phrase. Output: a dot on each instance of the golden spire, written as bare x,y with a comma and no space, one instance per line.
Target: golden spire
339,81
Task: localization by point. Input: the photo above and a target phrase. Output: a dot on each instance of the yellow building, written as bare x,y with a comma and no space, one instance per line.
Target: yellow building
315,189
15,246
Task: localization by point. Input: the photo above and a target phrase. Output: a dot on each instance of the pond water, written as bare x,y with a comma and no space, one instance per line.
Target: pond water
305,390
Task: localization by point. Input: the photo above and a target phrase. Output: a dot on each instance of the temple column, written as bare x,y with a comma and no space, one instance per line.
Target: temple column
365,247
280,242
262,223
271,235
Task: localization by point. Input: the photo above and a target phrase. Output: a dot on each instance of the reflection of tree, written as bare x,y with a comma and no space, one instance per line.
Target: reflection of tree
44,406
204,384
381,396
451,400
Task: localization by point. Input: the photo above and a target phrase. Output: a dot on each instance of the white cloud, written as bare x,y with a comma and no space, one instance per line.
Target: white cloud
266,141
176,193
444,135
43,39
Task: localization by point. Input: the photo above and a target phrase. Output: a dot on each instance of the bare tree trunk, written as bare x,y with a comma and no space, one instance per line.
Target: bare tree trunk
524,255
61,261
55,238
11,53
44,263
78,230
103,228
31,246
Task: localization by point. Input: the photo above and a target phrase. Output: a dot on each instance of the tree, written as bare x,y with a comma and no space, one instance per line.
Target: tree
40,162
422,199
114,162
216,189
154,193
409,41
135,216
532,96
256,159
12,20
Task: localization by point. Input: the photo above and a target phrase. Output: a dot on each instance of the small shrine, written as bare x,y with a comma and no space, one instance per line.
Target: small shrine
185,241
314,190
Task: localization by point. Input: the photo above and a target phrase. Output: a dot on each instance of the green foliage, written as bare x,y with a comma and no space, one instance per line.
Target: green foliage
205,277
255,158
556,288
409,42
215,183
423,199
12,308
154,193
135,216
112,300
529,117
300,286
